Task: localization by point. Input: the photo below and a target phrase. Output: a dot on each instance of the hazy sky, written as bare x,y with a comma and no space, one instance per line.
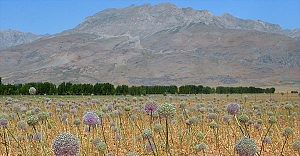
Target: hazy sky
54,16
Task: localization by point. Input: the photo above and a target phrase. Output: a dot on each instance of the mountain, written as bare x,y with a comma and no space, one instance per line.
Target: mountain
11,38
159,45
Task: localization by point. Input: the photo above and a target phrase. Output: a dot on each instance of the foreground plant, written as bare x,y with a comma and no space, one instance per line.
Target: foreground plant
167,111
66,144
246,147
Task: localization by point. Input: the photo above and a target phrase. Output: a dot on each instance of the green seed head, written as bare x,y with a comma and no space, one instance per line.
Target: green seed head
32,120
243,118
272,119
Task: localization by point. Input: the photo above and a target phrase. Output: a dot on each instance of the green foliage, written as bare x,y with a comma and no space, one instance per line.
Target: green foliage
68,88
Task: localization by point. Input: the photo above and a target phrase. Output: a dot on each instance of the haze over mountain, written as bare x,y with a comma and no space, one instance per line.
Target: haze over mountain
159,45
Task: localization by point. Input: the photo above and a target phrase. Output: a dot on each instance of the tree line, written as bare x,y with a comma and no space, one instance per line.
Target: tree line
68,88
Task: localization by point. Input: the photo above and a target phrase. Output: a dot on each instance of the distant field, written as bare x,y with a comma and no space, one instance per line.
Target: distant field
198,120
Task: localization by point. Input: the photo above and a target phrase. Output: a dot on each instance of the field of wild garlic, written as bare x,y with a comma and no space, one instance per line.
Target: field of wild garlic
211,124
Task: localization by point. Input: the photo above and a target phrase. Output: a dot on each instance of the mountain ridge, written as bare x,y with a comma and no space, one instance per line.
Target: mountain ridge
158,45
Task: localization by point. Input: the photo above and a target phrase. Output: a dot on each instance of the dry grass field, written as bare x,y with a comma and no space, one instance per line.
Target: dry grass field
124,125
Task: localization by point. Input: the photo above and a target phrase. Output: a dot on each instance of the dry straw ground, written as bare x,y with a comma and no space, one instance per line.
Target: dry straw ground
182,134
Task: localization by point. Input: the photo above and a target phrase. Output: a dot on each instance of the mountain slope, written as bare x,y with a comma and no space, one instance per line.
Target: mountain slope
156,45
11,38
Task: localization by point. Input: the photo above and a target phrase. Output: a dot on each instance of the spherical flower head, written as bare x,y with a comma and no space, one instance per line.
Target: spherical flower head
133,117
272,119
16,108
21,125
296,146
147,133
158,127
246,147
233,108
192,120
66,144
32,90
90,118
96,141
200,147
213,124
243,118
3,122
77,122
202,110
226,118
288,131
166,110
127,108
268,140
118,137
43,116
37,136
212,116
102,147
289,106
150,106
32,120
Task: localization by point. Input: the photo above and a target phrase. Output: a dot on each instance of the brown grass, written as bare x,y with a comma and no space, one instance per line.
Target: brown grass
181,141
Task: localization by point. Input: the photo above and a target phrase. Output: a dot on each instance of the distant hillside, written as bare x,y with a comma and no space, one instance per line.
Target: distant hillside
11,38
159,45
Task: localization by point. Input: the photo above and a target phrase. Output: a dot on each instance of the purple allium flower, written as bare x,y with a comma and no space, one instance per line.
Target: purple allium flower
116,113
212,116
23,109
246,147
268,140
294,114
22,125
296,146
16,108
233,108
37,136
32,90
66,144
3,122
150,106
256,126
118,137
90,118
133,117
115,129
112,123
150,146
226,118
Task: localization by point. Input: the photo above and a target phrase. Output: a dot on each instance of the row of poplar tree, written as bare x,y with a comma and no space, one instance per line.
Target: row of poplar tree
68,88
